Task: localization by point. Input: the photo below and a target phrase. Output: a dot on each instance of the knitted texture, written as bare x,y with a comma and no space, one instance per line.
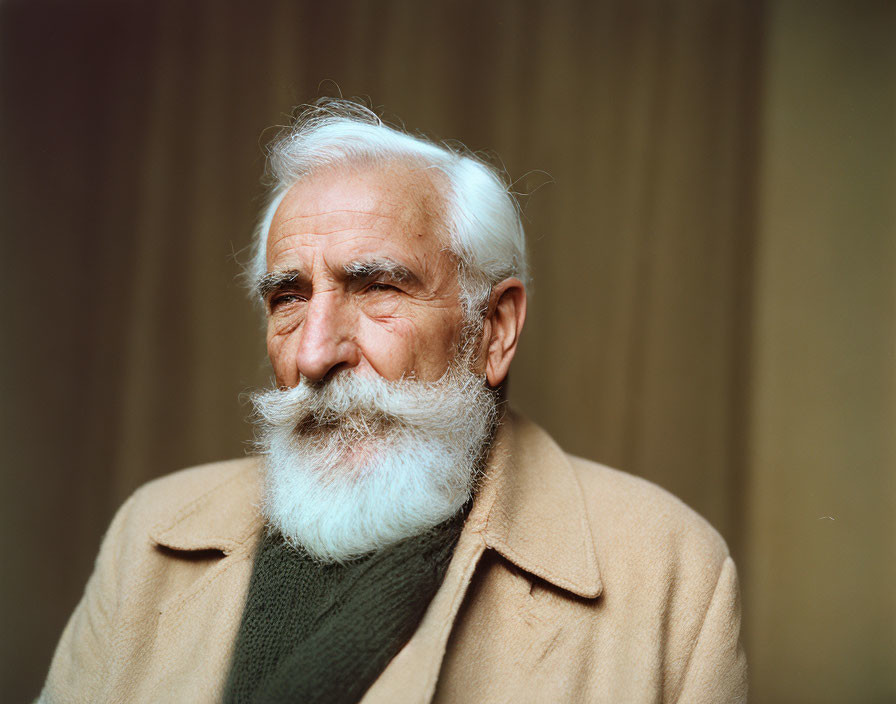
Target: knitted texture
315,632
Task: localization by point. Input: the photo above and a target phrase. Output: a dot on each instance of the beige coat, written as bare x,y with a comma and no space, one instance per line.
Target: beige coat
571,582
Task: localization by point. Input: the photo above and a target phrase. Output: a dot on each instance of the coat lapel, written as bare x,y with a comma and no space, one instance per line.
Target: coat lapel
540,525
538,519
190,650
222,518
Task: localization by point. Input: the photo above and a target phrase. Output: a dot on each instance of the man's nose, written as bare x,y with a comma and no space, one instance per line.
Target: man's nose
327,341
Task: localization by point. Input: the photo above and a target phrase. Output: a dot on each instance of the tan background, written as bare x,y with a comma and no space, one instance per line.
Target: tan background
714,256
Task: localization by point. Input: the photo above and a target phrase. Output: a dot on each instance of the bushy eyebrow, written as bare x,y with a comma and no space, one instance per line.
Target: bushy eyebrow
276,280
380,268
362,270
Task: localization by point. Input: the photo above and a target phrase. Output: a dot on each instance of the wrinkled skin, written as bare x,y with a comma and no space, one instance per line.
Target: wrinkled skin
338,307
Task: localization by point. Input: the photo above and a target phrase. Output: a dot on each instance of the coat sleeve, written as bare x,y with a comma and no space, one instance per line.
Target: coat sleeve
82,655
717,669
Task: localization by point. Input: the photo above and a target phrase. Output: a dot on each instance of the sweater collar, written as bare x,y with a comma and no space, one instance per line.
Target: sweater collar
529,508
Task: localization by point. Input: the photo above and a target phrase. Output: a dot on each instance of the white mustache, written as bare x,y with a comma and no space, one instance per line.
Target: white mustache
365,405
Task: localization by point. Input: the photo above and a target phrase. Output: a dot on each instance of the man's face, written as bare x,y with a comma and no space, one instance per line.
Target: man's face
358,279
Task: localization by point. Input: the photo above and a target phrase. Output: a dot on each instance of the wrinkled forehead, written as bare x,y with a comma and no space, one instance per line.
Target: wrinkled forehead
397,202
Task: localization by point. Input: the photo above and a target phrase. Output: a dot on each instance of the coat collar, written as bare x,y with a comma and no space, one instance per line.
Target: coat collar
529,508
536,509
224,514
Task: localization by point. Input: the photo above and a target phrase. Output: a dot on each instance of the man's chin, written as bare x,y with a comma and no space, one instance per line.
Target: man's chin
363,502
381,461
351,465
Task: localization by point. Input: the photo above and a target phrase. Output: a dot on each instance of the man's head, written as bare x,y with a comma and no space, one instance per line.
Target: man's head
392,272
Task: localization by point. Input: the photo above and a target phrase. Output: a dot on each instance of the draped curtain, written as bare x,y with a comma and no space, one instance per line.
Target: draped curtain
707,188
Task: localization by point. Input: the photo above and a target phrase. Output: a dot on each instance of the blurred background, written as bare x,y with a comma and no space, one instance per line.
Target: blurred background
712,222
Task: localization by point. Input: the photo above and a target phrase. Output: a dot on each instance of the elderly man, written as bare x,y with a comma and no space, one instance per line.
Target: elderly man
401,536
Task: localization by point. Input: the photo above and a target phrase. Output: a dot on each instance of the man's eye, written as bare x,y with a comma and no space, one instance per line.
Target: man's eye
286,299
379,286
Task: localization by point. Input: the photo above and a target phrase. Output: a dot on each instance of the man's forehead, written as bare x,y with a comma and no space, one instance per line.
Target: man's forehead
363,211
397,193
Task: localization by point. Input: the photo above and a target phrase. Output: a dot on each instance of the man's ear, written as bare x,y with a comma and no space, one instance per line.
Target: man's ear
502,327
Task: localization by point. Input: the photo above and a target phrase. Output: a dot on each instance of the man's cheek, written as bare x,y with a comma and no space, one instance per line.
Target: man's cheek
390,345
278,346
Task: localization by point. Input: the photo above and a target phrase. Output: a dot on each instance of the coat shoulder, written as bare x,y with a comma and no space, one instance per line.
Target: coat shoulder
627,511
167,543
664,567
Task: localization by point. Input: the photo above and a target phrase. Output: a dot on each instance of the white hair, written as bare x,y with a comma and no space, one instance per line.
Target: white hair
357,463
482,224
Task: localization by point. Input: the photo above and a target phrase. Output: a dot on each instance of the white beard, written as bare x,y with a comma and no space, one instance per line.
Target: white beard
356,464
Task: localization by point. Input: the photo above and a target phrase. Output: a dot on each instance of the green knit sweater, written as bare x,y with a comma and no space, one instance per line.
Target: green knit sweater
323,633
